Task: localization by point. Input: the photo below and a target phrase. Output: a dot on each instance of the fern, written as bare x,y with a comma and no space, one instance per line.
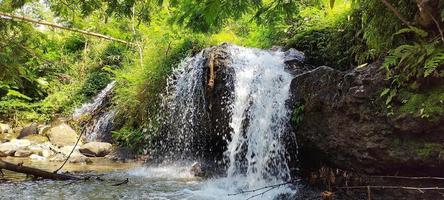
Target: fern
433,63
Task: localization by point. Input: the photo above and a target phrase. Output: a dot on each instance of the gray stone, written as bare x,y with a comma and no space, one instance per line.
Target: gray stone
96,149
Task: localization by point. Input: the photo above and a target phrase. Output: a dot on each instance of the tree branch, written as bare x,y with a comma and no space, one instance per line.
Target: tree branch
396,12
35,172
42,22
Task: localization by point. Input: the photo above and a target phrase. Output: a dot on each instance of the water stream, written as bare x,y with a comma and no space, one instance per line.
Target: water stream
255,156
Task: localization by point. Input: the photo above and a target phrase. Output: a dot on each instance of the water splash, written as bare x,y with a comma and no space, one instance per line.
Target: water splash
185,103
255,152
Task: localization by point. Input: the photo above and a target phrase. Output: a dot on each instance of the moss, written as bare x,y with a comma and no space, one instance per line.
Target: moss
426,104
416,147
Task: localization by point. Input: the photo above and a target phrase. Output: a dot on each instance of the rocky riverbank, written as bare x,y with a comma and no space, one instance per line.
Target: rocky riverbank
49,143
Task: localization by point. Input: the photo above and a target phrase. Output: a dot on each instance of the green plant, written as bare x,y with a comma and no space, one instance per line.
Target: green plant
298,114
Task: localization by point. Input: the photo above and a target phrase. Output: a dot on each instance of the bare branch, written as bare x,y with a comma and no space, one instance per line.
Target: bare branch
367,187
396,12
42,22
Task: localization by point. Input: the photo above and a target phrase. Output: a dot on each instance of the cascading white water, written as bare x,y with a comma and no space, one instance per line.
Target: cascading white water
259,116
95,104
184,102
99,126
101,123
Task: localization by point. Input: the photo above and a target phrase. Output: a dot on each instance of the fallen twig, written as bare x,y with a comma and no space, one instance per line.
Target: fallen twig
260,194
367,187
410,177
262,188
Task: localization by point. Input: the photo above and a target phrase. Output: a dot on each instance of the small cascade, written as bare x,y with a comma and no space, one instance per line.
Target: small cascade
100,121
255,153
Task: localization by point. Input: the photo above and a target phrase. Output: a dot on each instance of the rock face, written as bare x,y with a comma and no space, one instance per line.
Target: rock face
345,125
62,135
96,149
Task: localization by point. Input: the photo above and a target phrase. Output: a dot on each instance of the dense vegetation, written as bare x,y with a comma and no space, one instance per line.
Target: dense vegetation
48,72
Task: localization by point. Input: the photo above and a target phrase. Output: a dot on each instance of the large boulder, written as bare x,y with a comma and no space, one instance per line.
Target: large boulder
8,149
31,129
344,123
62,135
96,149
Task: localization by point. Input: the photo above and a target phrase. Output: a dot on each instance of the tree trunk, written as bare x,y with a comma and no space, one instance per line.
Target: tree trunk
34,171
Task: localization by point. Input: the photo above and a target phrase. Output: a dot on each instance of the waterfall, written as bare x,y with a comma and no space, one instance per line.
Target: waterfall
184,104
255,154
101,118
259,116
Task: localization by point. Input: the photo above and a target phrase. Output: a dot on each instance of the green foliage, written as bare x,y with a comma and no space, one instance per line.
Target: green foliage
131,138
427,104
298,114
95,82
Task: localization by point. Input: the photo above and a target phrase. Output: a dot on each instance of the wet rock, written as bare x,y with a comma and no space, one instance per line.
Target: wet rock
196,170
4,128
345,125
22,153
8,149
62,135
31,129
293,56
96,149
